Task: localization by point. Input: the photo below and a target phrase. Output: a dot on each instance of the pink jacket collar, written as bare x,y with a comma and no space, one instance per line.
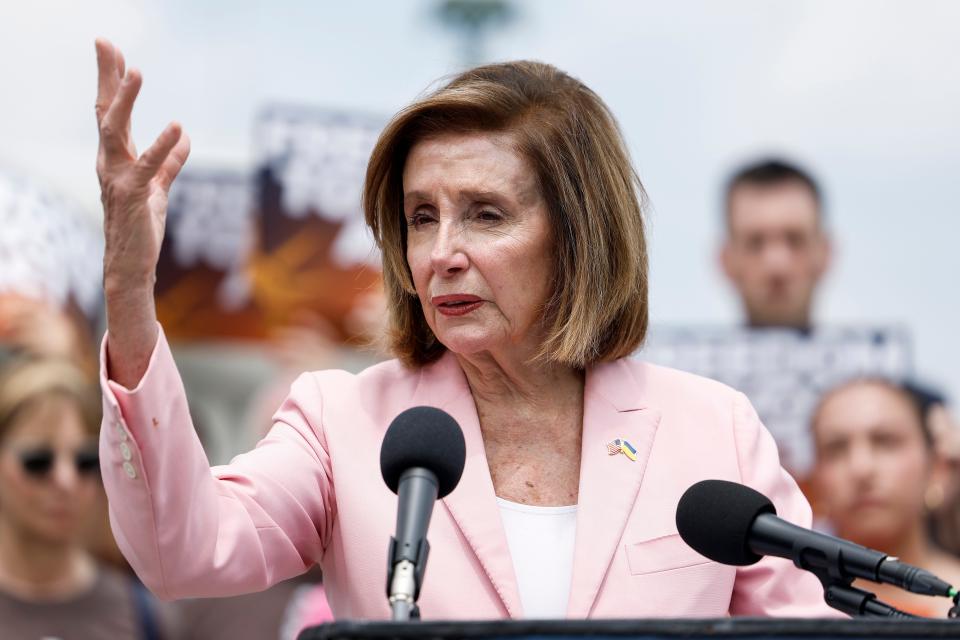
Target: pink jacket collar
614,407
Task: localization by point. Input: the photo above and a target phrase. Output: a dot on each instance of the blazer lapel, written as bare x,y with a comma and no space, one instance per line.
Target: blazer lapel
612,409
473,504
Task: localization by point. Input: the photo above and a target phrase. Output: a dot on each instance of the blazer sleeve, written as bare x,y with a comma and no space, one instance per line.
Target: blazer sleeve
774,586
189,530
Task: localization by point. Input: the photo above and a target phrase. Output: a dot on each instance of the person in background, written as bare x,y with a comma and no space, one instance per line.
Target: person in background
34,328
776,252
50,585
876,475
943,501
776,249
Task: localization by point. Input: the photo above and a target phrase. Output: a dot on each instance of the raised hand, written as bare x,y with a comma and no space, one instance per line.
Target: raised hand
134,195
133,189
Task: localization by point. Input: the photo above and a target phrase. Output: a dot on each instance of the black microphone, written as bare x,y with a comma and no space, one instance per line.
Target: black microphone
421,460
732,524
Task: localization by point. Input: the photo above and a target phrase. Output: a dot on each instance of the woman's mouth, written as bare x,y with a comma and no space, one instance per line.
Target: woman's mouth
456,304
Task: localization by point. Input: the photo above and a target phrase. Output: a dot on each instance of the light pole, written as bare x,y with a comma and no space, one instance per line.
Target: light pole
472,20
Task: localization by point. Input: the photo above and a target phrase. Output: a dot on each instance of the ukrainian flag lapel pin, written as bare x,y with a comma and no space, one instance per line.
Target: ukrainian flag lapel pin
620,445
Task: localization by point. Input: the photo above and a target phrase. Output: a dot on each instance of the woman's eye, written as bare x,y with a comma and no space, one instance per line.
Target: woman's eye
489,216
418,219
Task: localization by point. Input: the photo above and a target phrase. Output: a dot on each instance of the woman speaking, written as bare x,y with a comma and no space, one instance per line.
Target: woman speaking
510,222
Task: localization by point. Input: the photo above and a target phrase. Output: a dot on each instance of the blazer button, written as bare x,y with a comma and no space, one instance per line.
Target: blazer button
131,472
125,451
121,432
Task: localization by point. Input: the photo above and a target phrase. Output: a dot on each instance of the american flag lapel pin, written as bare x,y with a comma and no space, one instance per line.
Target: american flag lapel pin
614,447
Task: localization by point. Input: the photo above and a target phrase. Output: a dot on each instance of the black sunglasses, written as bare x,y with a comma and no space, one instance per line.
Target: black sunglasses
39,462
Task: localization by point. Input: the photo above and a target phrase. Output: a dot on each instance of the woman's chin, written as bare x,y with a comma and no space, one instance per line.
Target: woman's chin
467,343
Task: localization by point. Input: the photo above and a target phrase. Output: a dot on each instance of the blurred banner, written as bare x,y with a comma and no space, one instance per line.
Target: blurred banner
247,254
782,371
51,252
203,282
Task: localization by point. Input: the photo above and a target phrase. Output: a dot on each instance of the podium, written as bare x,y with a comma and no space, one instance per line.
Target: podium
726,628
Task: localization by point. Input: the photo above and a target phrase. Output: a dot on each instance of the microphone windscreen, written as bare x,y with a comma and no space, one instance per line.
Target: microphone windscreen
714,517
423,437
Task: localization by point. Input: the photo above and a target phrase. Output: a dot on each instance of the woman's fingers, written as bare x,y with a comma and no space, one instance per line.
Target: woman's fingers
115,126
107,79
174,162
121,64
153,159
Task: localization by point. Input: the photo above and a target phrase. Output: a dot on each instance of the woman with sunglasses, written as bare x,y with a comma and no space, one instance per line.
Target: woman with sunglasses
50,585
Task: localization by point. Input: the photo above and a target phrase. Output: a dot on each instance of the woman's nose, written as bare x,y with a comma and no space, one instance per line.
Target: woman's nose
65,476
862,462
447,255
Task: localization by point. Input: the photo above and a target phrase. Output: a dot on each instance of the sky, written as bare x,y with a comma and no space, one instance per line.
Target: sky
864,93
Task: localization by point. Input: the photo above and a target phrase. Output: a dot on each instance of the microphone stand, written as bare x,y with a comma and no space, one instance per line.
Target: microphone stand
408,550
403,584
859,603
839,592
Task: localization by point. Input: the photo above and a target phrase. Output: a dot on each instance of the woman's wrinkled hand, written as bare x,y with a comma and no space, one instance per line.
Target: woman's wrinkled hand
133,187
134,191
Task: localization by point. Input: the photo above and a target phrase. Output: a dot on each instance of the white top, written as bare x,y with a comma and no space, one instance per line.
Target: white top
541,544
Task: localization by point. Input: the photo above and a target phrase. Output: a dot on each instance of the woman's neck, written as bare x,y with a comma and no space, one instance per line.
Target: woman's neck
37,570
522,388
531,417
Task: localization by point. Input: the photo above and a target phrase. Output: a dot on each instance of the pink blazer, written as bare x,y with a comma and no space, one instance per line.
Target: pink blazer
311,492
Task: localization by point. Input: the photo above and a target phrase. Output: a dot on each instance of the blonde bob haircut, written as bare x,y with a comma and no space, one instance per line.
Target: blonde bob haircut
597,310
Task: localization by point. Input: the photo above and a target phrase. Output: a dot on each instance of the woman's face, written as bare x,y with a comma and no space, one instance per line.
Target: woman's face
873,465
478,242
47,502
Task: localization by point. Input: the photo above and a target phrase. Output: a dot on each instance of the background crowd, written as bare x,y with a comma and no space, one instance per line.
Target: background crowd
884,462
